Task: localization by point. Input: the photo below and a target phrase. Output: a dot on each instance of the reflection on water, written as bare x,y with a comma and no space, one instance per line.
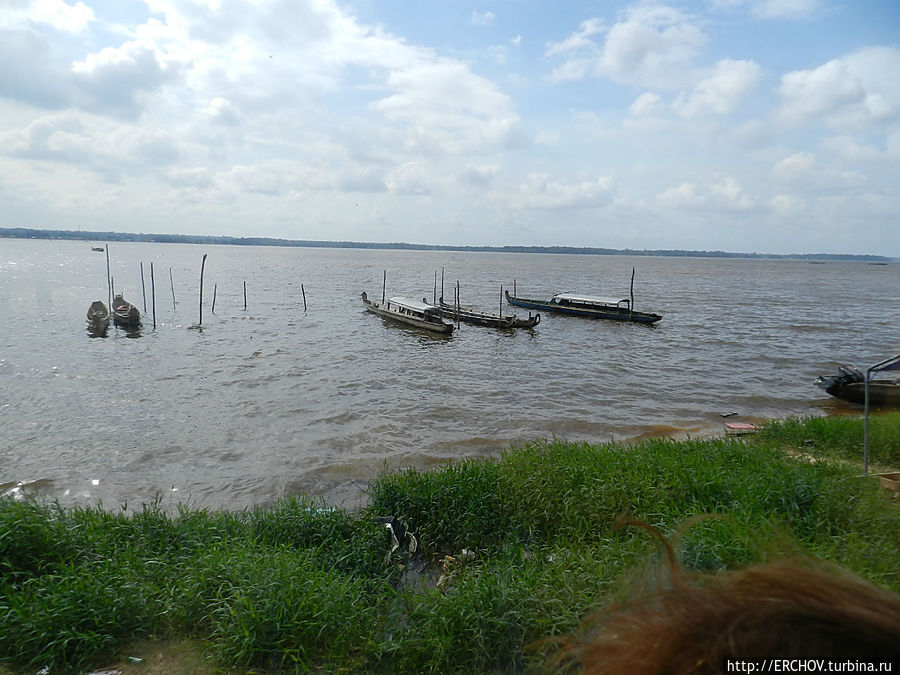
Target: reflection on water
271,399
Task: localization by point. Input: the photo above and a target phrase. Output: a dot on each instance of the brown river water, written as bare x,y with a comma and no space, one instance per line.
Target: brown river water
273,400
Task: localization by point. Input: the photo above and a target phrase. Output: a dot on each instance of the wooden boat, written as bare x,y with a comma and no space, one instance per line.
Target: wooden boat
479,318
98,318
124,313
850,385
411,312
100,249
586,306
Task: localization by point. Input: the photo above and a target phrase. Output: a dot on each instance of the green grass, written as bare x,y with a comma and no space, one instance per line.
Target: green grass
298,587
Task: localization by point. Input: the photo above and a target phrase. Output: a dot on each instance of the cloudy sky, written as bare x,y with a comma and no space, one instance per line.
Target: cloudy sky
741,125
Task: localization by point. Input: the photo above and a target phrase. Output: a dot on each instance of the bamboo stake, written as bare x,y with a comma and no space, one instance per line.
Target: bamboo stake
172,284
153,295
108,277
631,303
457,304
501,301
245,296
383,286
303,291
215,288
202,267
434,293
143,289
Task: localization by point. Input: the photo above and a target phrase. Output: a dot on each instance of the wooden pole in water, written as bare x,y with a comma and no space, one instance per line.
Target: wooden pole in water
108,277
383,286
245,296
202,266
153,295
442,283
457,304
434,293
143,289
514,288
172,284
112,286
501,301
303,291
631,303
215,288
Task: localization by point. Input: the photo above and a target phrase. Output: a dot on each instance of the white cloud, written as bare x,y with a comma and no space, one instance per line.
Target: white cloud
798,164
856,92
482,18
724,193
539,191
720,92
651,46
647,103
56,13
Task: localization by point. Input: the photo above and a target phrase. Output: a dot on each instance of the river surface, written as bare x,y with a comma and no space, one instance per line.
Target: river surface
274,399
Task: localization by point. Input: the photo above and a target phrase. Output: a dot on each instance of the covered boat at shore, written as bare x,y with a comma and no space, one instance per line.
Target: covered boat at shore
850,384
411,312
587,306
480,318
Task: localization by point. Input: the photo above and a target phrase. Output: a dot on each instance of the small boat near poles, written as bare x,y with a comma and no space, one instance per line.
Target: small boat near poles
98,318
124,313
411,312
480,318
586,306
99,249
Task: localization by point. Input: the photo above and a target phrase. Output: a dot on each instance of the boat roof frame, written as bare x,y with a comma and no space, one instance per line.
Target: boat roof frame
591,299
411,303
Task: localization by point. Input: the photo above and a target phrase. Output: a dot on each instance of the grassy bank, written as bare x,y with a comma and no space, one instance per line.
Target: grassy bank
297,587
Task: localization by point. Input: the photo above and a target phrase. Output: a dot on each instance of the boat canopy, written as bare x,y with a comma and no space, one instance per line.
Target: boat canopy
411,304
569,298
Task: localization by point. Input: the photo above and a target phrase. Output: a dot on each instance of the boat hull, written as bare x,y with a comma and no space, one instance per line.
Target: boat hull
98,318
380,310
486,319
615,314
881,394
125,314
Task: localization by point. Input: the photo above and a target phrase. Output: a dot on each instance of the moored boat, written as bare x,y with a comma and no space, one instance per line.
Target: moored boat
99,249
124,313
480,318
98,318
850,385
409,311
588,306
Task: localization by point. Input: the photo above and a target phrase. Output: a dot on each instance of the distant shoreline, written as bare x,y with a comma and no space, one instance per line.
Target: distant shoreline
83,235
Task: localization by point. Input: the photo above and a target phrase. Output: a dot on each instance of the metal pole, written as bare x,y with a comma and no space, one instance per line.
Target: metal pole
866,425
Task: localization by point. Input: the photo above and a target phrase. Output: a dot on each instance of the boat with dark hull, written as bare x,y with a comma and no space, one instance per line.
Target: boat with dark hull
849,384
411,312
587,306
124,313
479,318
98,318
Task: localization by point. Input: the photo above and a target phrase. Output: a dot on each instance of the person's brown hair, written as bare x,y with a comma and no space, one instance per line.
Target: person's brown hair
796,608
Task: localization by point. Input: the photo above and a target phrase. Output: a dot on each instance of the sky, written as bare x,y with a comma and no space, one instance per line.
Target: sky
766,126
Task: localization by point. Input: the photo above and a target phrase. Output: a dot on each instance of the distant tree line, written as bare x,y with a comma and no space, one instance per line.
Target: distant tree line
83,235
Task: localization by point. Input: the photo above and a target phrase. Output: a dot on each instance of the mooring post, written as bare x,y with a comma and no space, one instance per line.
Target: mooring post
631,302
215,288
245,296
303,291
172,284
501,301
383,286
143,288
434,293
153,295
202,266
108,277
457,304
